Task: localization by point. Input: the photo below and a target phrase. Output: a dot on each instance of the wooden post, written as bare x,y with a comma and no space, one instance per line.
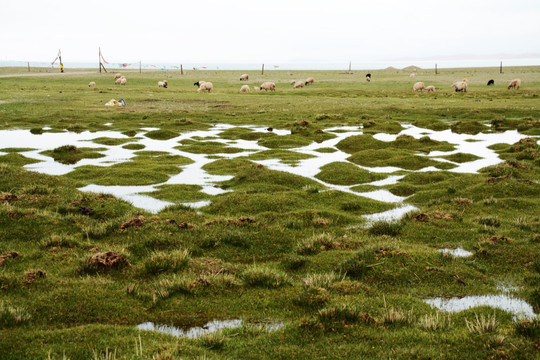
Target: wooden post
99,60
350,68
500,70
28,66
262,72
181,70
435,69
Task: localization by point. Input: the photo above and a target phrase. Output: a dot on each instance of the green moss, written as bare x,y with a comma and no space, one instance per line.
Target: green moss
285,156
133,146
16,159
70,154
111,141
161,134
207,147
342,173
461,157
285,142
403,159
179,193
326,150
239,133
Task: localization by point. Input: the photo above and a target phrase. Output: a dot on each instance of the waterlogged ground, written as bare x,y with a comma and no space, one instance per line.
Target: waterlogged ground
344,220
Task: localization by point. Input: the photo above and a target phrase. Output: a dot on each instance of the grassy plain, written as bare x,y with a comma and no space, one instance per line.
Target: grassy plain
277,248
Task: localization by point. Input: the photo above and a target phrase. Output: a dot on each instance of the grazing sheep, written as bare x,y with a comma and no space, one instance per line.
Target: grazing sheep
491,82
117,81
460,86
299,84
268,86
368,75
516,83
199,83
244,77
465,81
91,83
123,81
419,86
244,88
430,88
117,76
292,82
205,86
310,80
412,75
163,84
368,79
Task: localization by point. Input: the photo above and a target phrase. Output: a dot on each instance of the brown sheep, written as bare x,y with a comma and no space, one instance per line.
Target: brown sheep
419,86
516,83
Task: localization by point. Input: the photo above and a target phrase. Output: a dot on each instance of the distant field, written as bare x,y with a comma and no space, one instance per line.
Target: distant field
308,223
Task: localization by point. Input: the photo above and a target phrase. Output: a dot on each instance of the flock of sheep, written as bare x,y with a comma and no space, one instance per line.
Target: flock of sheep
207,86
461,86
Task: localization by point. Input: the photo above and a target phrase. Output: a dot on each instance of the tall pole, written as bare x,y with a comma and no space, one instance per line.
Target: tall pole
349,67
140,66
181,70
28,66
435,69
262,72
500,70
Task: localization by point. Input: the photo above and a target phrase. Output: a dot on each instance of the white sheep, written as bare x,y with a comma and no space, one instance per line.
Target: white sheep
419,86
117,76
117,81
91,83
114,103
299,84
266,86
199,83
516,83
430,88
292,82
460,86
163,84
310,80
123,81
244,88
244,77
206,86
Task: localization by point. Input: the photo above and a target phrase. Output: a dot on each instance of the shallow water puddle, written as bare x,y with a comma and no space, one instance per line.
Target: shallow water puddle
208,328
457,252
518,307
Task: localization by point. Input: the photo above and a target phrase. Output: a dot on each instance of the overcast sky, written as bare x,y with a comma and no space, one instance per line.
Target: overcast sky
250,31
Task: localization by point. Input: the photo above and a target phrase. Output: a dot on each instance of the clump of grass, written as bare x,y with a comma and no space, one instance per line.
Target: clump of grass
323,281
226,281
463,201
312,297
482,324
317,243
490,201
12,315
264,276
97,230
522,223
343,312
173,261
103,262
489,221
436,321
60,240
214,340
528,328
382,227
165,288
104,355
310,189
36,189
393,316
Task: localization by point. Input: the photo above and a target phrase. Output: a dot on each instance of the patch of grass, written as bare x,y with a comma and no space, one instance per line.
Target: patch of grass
161,134
264,276
342,173
173,261
11,316
391,228
460,157
482,324
70,154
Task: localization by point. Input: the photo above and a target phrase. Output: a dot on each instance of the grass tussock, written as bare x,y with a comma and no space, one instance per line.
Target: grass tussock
482,324
435,321
380,228
264,276
161,261
11,316
213,341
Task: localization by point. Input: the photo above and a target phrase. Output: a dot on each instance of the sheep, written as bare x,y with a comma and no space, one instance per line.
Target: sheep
117,81
91,83
310,80
114,103
430,88
368,79
268,86
244,88
300,84
412,75
199,83
123,81
292,82
205,86
465,81
244,77
117,76
491,82
256,88
516,83
163,84
419,86
368,75
460,86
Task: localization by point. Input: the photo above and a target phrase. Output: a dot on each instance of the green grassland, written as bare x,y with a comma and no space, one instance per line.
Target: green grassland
278,247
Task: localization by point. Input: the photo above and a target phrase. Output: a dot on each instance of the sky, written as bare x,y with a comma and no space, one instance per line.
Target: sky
277,31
